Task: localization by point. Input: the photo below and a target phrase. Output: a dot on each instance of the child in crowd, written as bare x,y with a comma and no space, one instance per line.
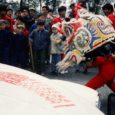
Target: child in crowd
108,10
39,41
20,21
56,45
19,48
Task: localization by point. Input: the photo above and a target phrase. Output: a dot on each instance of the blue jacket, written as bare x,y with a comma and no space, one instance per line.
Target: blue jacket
33,27
40,39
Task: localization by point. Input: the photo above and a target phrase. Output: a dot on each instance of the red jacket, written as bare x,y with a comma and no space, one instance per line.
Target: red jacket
77,7
11,21
112,18
26,33
106,67
56,20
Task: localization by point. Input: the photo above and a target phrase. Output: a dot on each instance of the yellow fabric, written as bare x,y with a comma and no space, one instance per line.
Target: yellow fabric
99,32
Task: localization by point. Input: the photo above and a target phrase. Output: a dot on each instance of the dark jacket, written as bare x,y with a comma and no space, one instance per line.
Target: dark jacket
19,43
5,38
40,39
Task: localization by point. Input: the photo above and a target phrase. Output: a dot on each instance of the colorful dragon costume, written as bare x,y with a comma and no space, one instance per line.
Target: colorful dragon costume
87,37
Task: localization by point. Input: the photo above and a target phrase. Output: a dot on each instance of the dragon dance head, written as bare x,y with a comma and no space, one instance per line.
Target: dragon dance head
86,36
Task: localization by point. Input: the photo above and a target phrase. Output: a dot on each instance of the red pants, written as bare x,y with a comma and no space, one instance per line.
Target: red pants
98,82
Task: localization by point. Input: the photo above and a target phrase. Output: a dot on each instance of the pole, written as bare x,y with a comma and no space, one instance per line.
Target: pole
32,57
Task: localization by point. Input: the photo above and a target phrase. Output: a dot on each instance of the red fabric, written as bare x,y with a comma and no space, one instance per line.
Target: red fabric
106,73
77,7
56,20
112,18
76,26
26,32
96,82
11,20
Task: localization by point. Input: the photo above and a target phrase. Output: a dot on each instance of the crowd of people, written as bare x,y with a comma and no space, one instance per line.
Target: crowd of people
31,38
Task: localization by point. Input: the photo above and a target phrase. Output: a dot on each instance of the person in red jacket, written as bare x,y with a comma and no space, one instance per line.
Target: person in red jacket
106,74
62,15
75,7
109,12
19,20
3,16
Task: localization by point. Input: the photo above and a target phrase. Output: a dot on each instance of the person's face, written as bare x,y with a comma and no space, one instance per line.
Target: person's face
40,18
55,30
18,14
18,21
32,12
25,13
3,13
40,27
19,30
62,14
10,13
107,12
44,11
